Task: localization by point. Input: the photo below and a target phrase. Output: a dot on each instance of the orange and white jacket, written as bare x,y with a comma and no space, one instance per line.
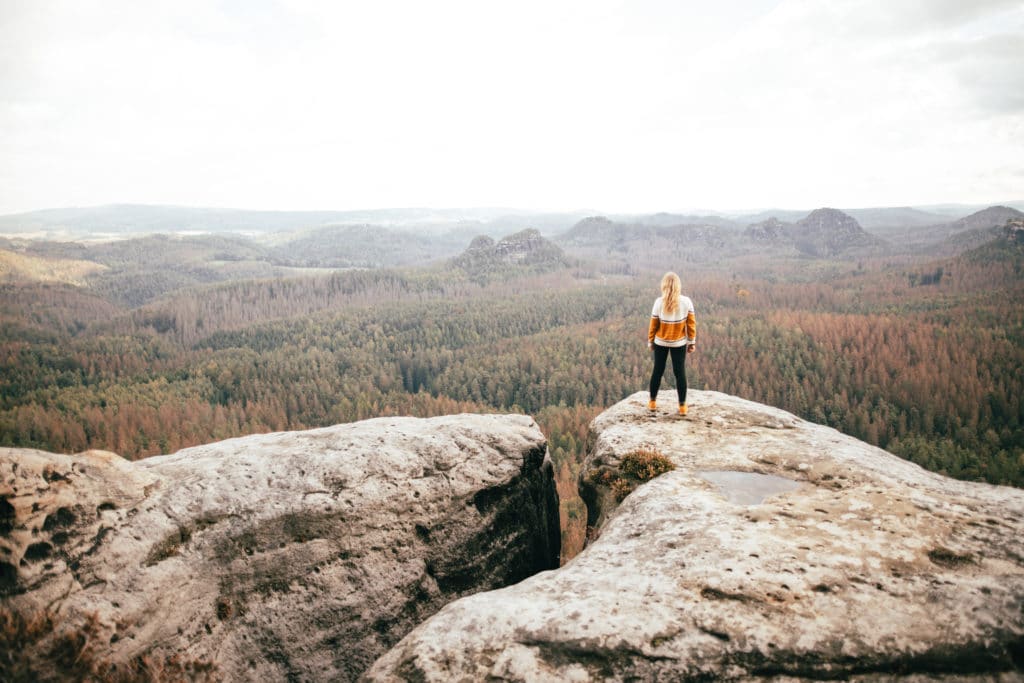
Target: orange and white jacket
676,329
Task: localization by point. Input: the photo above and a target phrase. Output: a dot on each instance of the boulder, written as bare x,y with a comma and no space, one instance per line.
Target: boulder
776,549
298,555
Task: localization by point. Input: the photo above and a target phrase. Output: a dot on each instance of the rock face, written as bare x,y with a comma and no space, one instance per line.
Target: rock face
1013,231
299,556
777,549
769,231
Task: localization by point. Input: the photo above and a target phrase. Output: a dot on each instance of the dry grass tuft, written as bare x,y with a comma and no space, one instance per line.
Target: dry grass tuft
635,468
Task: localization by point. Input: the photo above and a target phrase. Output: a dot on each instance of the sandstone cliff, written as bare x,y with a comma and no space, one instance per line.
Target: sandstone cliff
291,556
777,549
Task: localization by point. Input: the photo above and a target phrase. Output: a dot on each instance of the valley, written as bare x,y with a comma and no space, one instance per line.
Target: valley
911,338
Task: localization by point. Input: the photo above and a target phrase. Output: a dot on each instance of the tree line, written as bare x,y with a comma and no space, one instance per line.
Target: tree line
932,374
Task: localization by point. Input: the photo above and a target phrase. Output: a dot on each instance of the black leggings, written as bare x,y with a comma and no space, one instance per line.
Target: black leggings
678,369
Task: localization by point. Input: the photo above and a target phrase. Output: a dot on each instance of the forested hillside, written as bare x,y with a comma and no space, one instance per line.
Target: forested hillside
923,359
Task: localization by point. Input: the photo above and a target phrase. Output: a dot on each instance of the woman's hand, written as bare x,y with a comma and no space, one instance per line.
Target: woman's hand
691,347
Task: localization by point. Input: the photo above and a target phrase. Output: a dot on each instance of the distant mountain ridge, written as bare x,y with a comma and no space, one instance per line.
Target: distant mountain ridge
876,218
879,220
364,246
114,220
662,219
822,233
600,230
137,219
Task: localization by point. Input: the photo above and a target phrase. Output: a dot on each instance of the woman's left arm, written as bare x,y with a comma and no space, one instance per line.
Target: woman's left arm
691,327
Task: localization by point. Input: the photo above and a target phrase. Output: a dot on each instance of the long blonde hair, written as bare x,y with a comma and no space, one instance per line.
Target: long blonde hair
671,288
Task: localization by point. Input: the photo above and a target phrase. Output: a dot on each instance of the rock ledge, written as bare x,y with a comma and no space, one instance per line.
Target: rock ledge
867,568
297,555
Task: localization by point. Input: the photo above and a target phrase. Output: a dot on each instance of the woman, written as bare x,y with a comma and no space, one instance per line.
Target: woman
673,330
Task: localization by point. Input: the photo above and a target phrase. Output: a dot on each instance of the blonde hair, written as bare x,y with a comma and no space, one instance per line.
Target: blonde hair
671,288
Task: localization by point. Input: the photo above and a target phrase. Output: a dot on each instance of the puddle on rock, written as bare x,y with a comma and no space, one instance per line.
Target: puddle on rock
748,488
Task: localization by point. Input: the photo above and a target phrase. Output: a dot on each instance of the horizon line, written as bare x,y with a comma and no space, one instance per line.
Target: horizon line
515,209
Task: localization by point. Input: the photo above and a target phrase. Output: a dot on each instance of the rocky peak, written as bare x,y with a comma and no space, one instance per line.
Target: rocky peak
828,232
777,549
991,217
831,221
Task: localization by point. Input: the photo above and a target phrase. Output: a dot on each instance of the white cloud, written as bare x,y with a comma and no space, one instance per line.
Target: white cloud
609,104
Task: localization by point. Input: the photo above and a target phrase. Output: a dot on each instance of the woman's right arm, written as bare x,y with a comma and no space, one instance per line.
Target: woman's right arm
652,329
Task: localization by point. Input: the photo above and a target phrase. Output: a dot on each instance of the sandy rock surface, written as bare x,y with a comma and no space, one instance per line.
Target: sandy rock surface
778,549
289,556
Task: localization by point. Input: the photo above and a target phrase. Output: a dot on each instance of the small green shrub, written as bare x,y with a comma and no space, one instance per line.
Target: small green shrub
644,465
635,468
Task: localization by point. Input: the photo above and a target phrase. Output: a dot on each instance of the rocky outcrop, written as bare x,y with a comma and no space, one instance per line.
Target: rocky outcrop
777,549
526,249
298,556
1013,231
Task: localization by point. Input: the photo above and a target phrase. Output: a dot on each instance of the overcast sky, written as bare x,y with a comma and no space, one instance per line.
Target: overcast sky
649,105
